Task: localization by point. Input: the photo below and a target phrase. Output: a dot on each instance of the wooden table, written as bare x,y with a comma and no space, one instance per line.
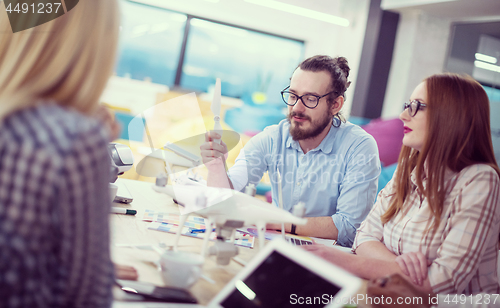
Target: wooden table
128,229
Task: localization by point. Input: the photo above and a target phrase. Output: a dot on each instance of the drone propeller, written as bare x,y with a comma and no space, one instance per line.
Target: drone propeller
216,102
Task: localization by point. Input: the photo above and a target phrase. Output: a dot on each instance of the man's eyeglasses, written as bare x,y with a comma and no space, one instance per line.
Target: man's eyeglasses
413,107
309,100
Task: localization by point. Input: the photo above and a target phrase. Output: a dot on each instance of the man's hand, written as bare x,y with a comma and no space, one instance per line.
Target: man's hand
414,264
213,154
277,227
316,226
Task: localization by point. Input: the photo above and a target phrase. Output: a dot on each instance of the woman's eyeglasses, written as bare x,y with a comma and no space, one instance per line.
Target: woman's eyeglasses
413,107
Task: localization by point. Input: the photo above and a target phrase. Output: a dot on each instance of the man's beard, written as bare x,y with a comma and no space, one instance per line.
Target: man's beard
316,128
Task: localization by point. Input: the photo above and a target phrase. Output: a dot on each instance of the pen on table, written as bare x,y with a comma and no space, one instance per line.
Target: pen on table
120,210
199,230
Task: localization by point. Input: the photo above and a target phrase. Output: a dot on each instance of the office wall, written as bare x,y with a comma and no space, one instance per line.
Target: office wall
375,62
420,50
320,37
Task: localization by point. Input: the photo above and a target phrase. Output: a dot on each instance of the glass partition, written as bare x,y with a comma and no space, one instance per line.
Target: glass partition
252,65
150,43
249,63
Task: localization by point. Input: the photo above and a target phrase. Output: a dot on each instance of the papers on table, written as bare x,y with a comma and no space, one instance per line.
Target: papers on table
293,239
194,227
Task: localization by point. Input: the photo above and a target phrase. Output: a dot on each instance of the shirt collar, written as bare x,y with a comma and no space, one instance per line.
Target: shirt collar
448,175
326,145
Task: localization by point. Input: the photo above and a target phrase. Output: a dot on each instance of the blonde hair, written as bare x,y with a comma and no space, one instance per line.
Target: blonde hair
67,60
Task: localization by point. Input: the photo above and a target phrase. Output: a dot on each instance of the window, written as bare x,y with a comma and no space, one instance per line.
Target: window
247,61
150,43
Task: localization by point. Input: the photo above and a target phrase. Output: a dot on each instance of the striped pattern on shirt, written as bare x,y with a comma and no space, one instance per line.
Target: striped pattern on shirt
464,249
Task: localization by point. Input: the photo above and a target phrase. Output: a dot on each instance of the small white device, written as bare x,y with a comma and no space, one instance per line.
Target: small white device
121,157
122,160
282,275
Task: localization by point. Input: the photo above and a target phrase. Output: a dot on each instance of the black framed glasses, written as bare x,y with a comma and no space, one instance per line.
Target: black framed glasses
414,106
311,101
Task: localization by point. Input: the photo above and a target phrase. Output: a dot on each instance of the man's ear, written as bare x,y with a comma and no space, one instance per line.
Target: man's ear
337,105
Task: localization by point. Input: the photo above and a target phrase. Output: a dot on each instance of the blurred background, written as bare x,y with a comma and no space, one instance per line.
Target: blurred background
169,48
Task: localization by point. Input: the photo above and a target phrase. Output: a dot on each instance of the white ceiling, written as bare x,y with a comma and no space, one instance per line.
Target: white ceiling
455,10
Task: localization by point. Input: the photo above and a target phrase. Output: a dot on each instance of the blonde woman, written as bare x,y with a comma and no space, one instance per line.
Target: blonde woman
54,164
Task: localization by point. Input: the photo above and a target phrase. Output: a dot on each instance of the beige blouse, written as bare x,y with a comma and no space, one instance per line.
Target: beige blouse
464,249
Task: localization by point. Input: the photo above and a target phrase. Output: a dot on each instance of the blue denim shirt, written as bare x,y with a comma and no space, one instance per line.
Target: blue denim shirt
338,178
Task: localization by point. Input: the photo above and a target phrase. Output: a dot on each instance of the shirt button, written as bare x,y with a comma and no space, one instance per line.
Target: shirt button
298,183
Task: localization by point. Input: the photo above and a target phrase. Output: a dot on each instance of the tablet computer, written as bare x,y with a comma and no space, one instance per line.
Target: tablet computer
283,275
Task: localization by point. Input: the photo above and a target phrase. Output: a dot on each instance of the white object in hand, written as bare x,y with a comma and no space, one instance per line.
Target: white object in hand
215,107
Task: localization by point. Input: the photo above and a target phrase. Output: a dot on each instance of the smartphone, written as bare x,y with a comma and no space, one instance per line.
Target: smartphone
122,194
153,292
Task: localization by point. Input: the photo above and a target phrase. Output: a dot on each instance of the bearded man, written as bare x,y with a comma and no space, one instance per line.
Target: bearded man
329,164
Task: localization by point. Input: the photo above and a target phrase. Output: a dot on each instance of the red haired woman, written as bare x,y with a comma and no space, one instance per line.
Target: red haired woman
437,221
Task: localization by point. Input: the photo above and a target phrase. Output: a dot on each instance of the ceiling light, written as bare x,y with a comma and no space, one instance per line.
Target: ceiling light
157,28
487,66
485,58
297,10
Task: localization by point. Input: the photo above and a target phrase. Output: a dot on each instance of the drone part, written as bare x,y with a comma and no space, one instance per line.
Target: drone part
250,190
223,251
299,209
162,179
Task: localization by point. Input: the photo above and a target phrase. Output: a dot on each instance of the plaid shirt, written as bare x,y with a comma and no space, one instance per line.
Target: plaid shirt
54,210
464,249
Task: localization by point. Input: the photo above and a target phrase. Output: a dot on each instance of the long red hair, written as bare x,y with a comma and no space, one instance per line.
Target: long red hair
458,136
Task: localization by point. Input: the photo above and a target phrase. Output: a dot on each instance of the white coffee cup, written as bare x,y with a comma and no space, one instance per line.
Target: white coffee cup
180,269
113,189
